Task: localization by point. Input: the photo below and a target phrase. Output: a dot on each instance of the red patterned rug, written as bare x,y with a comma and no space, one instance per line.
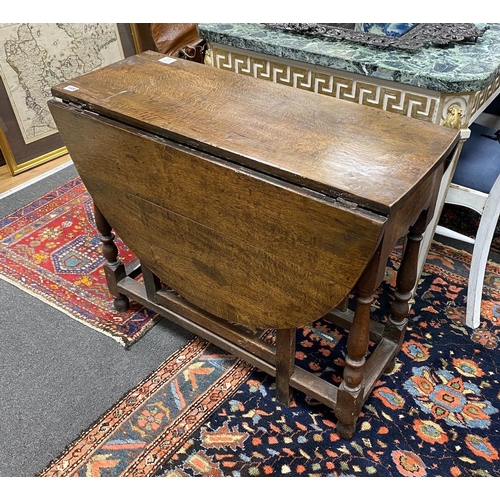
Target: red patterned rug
204,413
50,249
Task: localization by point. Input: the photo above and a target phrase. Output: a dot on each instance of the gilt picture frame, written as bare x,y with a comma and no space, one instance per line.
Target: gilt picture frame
20,154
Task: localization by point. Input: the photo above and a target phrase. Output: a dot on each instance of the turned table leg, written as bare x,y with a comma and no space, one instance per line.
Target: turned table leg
351,390
114,269
405,283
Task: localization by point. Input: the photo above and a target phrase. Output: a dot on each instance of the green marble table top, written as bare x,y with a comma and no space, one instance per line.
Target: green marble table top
452,69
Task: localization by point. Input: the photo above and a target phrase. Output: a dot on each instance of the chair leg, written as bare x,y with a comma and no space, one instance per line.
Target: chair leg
484,236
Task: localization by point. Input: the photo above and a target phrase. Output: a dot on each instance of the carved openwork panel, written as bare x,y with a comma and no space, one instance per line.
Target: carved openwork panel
420,35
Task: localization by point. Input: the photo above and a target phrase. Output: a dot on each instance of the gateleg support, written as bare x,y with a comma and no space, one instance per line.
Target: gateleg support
285,363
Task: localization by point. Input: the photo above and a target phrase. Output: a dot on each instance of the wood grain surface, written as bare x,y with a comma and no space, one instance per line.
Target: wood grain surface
259,204
342,149
241,245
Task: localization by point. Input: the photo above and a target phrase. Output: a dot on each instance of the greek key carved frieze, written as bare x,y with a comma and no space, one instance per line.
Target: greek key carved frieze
481,97
396,100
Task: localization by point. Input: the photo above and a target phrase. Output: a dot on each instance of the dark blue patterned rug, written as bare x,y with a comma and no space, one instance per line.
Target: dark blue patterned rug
436,414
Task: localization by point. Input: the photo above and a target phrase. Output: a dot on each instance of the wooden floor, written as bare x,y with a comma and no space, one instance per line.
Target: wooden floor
8,181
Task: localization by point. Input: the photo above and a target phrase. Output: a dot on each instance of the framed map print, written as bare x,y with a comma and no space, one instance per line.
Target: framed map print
33,58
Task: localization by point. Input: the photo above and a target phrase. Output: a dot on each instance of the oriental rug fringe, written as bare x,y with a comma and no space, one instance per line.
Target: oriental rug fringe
205,413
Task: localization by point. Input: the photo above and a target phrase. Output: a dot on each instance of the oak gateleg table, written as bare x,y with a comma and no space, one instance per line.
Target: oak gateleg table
262,206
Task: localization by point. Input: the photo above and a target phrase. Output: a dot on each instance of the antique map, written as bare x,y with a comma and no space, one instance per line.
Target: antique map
34,57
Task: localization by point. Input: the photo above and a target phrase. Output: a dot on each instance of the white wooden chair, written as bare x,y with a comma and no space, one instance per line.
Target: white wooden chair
476,185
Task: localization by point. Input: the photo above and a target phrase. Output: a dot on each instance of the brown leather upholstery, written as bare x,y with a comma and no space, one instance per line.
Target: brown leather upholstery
178,39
